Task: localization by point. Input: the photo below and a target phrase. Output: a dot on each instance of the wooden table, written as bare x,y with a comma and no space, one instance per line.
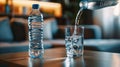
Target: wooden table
56,57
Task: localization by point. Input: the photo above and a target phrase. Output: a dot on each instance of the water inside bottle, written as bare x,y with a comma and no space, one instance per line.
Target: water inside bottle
36,49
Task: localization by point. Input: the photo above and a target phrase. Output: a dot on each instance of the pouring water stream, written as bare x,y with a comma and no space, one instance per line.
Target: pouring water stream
77,19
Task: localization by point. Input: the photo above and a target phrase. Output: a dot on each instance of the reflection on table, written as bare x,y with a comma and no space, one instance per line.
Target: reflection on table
57,58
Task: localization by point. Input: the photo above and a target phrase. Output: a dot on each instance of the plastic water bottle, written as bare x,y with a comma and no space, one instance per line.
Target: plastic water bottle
97,4
35,23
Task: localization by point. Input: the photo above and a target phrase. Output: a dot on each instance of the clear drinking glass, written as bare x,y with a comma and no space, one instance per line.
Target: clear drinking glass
74,37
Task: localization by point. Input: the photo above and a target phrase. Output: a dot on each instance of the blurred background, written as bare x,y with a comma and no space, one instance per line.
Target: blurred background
105,21
102,23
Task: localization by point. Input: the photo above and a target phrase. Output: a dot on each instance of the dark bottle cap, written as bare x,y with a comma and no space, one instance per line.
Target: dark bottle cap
35,6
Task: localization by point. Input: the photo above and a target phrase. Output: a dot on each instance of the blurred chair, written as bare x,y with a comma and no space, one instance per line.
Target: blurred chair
19,28
92,32
50,28
5,30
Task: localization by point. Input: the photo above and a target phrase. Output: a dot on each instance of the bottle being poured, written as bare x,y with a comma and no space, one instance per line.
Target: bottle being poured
92,5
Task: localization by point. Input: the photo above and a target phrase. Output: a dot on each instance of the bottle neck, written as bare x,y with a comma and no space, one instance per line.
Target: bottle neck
35,9
83,4
35,12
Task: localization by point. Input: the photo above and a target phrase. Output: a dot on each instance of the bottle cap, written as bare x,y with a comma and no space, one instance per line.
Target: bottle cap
35,6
